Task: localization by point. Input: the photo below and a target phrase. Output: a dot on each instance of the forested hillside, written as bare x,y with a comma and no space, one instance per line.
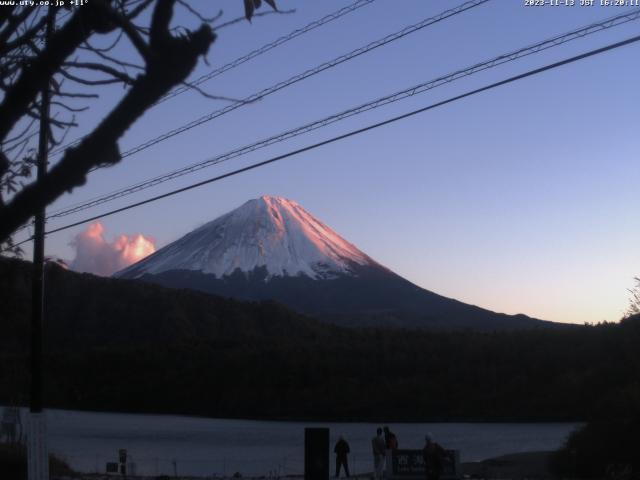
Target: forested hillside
130,346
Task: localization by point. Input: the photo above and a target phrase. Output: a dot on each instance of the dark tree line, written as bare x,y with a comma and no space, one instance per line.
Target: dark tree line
131,346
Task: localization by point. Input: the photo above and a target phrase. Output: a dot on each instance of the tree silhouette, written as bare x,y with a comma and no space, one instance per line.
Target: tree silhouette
634,300
28,64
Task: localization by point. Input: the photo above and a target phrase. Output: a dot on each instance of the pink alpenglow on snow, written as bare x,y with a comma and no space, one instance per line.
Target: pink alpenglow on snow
96,255
270,232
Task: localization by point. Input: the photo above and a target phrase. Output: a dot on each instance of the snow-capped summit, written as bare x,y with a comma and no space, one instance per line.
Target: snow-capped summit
285,254
271,232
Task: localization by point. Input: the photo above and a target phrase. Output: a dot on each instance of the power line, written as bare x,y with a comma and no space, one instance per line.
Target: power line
249,56
352,133
264,49
349,134
303,76
14,245
308,73
408,92
10,248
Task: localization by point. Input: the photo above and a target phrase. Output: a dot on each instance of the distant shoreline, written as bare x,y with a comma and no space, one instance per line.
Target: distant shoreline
517,465
514,465
382,421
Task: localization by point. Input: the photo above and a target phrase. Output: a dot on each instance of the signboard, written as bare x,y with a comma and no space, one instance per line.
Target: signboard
316,453
405,464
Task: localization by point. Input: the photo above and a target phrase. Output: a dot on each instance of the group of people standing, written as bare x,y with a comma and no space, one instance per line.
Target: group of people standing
384,441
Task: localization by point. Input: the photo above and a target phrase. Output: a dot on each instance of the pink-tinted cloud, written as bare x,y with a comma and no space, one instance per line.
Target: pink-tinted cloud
96,255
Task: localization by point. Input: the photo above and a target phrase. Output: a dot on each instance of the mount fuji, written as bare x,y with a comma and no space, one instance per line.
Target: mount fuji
272,248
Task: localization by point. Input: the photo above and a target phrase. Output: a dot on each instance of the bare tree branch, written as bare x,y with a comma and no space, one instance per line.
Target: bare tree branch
84,81
144,4
25,37
101,68
260,14
37,73
28,65
77,95
13,23
68,108
132,33
198,15
171,61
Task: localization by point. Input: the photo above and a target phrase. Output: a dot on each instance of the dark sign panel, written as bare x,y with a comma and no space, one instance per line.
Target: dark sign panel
407,462
316,453
410,463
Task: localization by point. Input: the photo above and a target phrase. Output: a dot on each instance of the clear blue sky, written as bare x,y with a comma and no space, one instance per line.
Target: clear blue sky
522,199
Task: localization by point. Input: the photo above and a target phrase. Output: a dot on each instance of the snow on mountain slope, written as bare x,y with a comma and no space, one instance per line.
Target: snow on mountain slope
270,232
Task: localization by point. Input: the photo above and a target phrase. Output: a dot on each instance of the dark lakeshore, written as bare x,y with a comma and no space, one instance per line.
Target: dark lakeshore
515,466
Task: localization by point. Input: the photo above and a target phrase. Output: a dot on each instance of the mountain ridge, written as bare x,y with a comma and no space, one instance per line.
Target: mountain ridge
368,299
271,248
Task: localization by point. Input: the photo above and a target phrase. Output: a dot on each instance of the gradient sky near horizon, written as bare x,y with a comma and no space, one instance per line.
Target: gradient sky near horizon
520,200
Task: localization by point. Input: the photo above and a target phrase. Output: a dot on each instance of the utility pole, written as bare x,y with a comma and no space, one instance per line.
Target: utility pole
38,453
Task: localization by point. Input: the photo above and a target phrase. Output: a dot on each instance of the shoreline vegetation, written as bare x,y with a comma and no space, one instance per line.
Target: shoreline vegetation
13,463
109,343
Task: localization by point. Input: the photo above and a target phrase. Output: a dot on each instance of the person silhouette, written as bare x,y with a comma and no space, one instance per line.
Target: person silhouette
390,439
342,451
378,446
433,455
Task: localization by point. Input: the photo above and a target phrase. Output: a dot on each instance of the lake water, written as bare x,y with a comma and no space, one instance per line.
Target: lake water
166,444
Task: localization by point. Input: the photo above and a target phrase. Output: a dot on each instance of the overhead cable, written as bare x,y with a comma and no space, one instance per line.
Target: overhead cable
249,56
265,48
397,96
301,76
352,133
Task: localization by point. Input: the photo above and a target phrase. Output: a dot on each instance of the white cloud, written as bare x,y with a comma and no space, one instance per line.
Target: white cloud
96,255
